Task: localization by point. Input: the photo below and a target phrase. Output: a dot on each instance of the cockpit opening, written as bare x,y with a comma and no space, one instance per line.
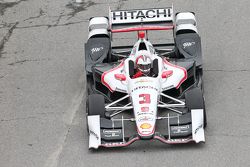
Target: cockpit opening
142,46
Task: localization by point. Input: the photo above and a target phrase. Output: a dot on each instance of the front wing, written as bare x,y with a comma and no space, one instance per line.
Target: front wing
177,129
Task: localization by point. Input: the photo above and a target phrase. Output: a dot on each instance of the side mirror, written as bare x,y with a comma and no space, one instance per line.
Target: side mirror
120,77
167,74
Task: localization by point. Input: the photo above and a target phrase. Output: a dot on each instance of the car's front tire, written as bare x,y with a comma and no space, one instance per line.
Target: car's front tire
96,105
195,100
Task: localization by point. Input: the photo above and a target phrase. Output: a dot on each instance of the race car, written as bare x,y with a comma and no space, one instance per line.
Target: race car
145,91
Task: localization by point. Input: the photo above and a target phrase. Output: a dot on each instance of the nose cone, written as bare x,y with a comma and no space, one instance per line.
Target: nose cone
144,94
146,129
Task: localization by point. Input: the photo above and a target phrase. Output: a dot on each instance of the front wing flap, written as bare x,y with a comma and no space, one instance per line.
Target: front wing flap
179,129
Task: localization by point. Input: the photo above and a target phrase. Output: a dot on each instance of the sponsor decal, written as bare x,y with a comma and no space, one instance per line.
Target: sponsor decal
178,140
145,99
197,129
145,131
93,50
145,113
144,87
188,44
145,118
180,129
145,126
141,14
114,144
94,134
112,132
144,109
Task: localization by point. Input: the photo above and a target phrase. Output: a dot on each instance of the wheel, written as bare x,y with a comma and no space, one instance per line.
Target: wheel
96,105
195,100
89,85
200,83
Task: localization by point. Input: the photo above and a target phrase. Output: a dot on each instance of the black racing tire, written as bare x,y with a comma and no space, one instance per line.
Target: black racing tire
96,105
89,85
195,100
90,89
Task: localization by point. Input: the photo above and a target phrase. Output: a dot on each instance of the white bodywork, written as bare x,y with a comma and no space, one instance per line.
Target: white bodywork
185,18
98,26
144,87
144,92
185,21
197,125
94,131
175,80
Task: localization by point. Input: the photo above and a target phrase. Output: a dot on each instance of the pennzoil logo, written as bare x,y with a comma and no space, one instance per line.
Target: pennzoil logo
145,126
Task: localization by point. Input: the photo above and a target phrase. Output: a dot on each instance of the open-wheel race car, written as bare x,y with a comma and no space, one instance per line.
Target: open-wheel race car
144,91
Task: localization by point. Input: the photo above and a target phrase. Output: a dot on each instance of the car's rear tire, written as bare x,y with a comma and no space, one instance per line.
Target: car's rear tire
195,100
96,105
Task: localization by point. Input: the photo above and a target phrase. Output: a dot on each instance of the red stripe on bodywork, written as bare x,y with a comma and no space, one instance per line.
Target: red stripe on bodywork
144,28
106,72
183,69
137,59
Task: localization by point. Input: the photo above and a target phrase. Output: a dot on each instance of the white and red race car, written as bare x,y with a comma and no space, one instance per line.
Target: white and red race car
167,104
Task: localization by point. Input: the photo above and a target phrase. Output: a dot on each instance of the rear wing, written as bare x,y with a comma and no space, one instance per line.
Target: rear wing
141,19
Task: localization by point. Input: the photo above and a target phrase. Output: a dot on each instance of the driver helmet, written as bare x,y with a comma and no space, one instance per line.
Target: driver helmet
143,63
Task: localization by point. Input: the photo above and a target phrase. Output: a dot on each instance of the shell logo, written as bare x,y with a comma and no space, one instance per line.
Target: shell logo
145,126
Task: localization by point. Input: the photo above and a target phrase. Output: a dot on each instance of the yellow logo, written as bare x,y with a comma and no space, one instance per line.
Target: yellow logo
146,126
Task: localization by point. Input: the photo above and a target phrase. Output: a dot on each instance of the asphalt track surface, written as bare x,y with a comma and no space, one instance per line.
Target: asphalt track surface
42,109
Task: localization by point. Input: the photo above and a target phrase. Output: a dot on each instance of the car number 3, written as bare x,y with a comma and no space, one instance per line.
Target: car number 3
144,99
